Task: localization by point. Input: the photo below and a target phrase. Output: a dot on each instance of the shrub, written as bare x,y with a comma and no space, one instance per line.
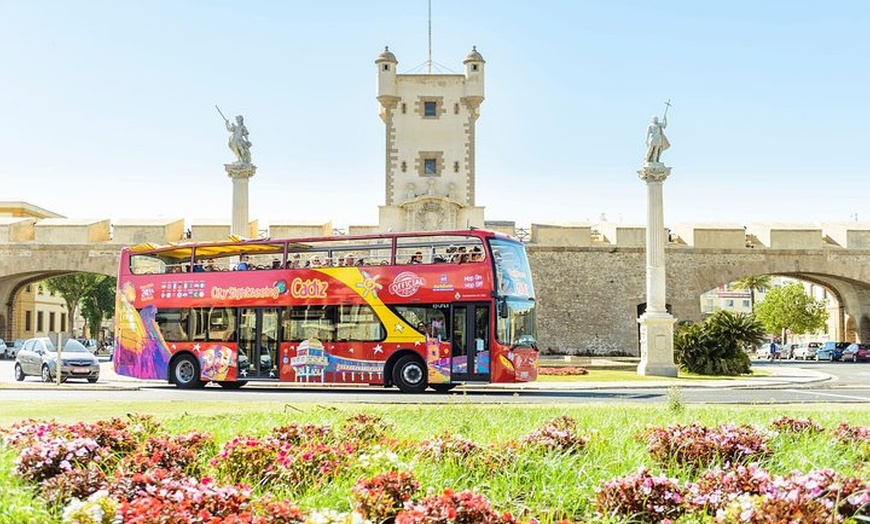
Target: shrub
379,498
448,446
563,371
796,425
641,497
557,435
297,434
696,445
715,347
817,497
43,460
364,428
717,488
465,507
247,459
302,467
77,483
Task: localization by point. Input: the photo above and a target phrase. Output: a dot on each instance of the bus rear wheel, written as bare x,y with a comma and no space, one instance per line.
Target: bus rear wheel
185,372
409,374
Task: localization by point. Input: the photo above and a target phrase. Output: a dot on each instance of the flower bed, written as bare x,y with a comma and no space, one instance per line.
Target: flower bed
135,471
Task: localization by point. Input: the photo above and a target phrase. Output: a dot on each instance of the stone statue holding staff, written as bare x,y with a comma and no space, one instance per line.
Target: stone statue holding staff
238,142
656,141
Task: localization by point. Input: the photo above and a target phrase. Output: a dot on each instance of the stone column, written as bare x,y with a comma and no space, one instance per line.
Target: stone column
240,172
656,324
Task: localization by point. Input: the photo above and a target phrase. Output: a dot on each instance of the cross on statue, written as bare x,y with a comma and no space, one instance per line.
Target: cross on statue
656,141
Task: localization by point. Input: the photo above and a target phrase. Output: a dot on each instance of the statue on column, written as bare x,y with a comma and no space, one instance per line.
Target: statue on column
238,142
656,141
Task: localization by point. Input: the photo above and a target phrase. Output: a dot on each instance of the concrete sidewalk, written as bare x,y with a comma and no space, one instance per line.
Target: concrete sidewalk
780,376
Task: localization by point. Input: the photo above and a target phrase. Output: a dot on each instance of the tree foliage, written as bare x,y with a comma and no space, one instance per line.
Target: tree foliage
789,307
753,283
99,305
716,346
74,288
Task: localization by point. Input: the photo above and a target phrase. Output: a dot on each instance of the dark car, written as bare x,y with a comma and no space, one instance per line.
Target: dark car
38,357
831,351
856,352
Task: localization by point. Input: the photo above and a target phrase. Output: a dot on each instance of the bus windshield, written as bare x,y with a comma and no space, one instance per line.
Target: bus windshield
512,273
515,326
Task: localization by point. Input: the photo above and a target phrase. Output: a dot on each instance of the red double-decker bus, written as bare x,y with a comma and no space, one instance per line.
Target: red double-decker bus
409,310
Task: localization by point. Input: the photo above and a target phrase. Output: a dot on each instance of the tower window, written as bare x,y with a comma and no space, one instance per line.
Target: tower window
430,166
404,166
456,108
386,67
474,67
456,166
430,109
404,108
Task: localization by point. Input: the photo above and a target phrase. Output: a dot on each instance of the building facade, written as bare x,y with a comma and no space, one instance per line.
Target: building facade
39,312
429,122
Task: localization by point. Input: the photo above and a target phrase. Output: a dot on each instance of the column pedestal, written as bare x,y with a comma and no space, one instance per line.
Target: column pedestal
240,173
657,345
656,324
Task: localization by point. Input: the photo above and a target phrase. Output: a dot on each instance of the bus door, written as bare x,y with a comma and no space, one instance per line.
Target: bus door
470,343
258,343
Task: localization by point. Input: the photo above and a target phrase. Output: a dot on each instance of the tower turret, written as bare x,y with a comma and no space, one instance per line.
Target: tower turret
474,92
386,63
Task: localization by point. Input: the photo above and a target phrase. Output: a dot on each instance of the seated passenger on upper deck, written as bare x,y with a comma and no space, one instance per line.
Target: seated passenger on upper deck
416,258
243,264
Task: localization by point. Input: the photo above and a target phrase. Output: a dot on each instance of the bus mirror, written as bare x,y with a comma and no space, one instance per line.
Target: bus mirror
503,309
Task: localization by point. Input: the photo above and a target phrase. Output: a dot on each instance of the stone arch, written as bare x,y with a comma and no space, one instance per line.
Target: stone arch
12,283
846,279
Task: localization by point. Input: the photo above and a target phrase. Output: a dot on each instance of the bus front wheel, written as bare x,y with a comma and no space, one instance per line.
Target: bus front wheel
185,372
409,374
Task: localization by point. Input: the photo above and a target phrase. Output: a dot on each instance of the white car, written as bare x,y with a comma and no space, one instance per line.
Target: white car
807,350
4,349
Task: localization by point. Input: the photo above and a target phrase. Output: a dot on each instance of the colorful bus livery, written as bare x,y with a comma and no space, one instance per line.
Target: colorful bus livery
412,310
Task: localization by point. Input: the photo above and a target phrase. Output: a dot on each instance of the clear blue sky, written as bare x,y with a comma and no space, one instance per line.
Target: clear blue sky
108,106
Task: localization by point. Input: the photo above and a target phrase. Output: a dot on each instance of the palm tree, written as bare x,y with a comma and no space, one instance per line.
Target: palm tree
753,283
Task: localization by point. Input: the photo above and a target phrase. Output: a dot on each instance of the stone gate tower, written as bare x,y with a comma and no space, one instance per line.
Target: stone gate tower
430,143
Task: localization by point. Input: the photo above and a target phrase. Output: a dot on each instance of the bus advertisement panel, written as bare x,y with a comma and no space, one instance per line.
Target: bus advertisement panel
405,310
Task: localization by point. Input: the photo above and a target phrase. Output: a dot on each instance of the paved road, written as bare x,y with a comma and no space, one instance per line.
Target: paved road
850,383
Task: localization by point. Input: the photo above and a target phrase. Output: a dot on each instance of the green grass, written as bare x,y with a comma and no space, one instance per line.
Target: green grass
549,486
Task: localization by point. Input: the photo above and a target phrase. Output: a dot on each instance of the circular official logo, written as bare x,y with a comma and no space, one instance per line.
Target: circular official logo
406,284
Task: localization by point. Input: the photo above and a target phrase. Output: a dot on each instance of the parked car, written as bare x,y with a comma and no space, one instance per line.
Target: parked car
38,357
13,350
3,348
807,350
89,343
856,352
831,351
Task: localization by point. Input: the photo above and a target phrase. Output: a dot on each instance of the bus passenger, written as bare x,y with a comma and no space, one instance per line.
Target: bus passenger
243,263
197,267
349,260
476,254
462,256
276,263
295,262
416,258
209,266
